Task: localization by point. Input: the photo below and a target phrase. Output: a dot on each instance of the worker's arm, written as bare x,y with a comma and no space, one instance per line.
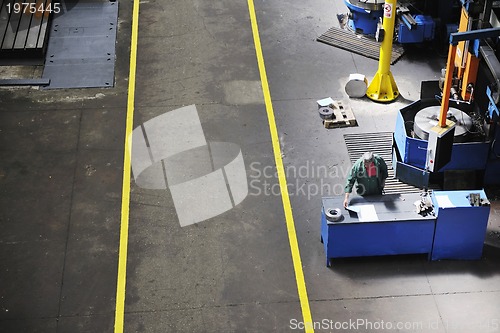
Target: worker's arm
346,200
351,179
383,172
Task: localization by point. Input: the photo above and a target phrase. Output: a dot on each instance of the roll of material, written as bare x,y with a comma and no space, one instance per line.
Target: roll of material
326,113
356,86
428,117
333,214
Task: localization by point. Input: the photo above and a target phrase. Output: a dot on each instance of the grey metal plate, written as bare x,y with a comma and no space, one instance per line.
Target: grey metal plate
411,175
81,50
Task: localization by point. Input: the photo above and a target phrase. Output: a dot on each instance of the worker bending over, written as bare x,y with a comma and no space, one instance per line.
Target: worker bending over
370,173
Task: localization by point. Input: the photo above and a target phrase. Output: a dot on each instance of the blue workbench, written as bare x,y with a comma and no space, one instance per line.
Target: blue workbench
396,228
390,225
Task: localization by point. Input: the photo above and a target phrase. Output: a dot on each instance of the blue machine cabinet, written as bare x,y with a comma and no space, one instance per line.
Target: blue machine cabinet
460,227
396,228
465,156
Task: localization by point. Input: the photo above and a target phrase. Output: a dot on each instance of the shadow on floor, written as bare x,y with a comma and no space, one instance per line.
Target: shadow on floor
381,267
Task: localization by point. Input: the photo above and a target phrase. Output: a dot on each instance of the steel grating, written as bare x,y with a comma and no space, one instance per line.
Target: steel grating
358,44
379,143
81,50
24,28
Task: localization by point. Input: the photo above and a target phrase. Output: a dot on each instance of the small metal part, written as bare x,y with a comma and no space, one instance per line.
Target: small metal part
380,34
475,199
406,17
484,202
326,113
424,206
333,214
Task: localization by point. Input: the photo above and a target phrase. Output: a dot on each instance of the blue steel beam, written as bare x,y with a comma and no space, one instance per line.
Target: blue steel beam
457,37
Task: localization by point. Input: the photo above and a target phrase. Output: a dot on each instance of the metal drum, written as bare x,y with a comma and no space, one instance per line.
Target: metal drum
356,86
428,117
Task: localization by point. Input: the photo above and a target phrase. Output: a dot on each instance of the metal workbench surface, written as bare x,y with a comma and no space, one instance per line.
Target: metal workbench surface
388,208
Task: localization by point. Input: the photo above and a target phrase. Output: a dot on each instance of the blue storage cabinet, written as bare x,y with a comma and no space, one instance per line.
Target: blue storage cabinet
460,227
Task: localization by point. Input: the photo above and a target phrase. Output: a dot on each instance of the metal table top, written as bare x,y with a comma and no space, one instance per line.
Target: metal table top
377,208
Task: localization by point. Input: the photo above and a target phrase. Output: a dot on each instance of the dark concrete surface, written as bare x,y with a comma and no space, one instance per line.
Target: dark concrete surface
60,195
61,160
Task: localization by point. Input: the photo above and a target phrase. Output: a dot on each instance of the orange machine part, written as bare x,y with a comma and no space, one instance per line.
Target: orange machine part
470,75
462,51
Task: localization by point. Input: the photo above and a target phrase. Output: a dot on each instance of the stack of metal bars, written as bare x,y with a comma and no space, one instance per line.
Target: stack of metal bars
24,28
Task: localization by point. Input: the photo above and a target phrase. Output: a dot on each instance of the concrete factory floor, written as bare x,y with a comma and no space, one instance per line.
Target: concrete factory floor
61,169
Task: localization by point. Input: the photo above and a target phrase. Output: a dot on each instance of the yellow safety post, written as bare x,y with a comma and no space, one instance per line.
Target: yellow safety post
383,88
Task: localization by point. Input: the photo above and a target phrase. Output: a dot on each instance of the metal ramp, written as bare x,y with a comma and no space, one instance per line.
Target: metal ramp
24,27
379,143
358,44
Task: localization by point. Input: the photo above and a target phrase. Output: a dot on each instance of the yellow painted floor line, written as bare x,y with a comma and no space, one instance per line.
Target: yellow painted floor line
125,212
290,224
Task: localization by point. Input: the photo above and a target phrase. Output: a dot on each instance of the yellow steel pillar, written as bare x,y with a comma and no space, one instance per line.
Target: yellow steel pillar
383,88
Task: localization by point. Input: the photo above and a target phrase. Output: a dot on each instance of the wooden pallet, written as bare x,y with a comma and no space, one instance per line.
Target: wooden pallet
343,116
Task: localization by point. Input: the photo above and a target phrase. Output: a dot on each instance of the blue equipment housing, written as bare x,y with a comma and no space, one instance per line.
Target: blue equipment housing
410,152
363,20
422,31
465,156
